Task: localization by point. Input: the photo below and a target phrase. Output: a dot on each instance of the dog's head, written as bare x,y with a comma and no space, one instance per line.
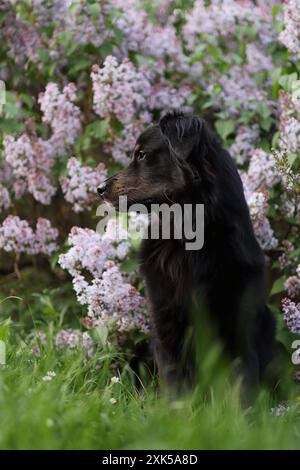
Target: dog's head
167,160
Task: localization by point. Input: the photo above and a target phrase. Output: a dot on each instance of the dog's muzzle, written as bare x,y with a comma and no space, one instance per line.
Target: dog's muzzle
101,189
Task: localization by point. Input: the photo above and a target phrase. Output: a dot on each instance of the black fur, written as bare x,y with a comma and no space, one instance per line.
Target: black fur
227,274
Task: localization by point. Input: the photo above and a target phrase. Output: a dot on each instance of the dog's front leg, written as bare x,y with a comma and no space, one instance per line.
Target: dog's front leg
168,334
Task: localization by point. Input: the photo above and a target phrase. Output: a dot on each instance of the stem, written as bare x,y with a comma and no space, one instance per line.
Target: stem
16,266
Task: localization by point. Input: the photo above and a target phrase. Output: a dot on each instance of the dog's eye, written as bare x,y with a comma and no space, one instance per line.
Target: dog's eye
141,155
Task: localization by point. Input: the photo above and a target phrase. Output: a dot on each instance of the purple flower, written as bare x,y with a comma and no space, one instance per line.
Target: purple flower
291,314
17,236
80,184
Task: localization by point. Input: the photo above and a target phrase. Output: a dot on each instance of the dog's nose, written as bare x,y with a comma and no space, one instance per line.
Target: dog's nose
101,189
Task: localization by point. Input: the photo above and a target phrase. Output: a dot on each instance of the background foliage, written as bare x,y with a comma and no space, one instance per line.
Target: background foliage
82,80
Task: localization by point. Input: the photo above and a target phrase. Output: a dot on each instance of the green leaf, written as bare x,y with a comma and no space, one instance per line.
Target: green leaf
80,64
286,81
275,139
263,110
100,334
4,329
292,157
278,285
225,128
94,10
98,129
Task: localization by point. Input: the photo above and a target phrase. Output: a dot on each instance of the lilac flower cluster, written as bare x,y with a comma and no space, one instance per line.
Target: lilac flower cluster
291,313
72,339
87,27
285,260
140,35
244,144
289,124
258,207
17,236
31,160
63,116
111,300
120,90
292,286
89,251
66,339
291,33
127,93
262,172
80,184
221,18
24,38
240,91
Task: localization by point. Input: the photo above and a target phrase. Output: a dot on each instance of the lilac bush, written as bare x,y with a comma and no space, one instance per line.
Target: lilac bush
84,78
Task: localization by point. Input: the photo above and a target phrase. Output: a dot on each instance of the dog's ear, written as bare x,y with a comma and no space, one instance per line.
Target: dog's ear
183,133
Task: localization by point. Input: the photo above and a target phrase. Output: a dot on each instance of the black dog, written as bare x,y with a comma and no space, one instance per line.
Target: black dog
180,160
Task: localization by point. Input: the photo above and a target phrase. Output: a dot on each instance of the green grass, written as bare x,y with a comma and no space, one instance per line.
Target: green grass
74,409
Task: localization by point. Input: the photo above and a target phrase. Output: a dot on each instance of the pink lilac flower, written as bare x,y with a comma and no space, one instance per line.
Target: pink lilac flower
244,145
72,339
166,97
262,170
89,251
17,236
31,158
239,91
221,18
257,59
31,161
44,238
291,314
284,259
63,116
112,300
122,145
291,32
292,286
108,296
258,207
289,204
86,27
119,90
80,184
289,124
23,40
25,32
